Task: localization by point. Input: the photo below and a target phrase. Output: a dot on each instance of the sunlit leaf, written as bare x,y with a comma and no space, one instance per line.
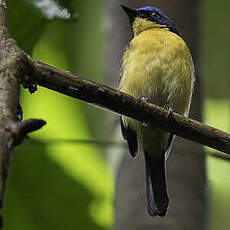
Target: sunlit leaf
29,18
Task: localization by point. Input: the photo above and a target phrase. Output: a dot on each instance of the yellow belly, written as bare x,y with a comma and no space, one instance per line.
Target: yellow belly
158,65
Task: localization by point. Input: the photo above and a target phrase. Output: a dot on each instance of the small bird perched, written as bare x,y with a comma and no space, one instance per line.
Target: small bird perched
157,67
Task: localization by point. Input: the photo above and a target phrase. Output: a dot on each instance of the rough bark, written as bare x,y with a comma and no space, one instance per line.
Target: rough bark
13,63
103,96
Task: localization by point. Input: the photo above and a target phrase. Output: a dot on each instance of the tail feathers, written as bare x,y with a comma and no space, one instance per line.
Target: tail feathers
156,187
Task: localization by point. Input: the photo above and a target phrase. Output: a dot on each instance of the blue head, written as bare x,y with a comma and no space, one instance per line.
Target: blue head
152,14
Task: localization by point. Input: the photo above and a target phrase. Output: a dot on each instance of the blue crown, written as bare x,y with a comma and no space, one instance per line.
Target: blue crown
164,20
151,8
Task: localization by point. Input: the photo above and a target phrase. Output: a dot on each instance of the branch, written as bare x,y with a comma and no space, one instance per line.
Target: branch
16,67
100,95
13,64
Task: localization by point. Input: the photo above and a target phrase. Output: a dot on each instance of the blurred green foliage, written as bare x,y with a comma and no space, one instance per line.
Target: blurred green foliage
28,18
26,23
215,47
215,72
216,113
60,185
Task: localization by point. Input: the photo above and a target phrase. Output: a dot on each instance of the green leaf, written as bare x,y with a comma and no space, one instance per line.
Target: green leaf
28,19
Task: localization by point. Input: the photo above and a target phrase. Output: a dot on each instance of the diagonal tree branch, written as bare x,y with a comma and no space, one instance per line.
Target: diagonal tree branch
77,87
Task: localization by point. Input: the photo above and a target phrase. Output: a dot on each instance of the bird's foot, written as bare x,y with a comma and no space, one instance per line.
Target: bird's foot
145,125
170,111
144,99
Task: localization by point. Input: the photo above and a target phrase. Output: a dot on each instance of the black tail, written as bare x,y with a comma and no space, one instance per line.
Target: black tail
156,187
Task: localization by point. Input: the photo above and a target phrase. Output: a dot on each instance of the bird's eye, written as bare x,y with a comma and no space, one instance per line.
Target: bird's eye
157,15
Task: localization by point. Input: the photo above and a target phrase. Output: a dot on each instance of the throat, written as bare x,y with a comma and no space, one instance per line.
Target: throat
141,24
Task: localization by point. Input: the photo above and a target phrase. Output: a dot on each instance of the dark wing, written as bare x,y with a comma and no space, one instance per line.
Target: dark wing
131,137
169,145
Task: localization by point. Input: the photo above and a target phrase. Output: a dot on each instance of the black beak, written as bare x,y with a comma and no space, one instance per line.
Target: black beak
130,12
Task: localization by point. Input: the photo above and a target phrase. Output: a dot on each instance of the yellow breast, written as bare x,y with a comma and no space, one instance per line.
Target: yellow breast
158,65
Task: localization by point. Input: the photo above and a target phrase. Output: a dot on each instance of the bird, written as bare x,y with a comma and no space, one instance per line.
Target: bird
157,67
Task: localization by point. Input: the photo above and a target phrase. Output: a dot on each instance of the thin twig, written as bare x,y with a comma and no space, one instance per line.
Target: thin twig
111,144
